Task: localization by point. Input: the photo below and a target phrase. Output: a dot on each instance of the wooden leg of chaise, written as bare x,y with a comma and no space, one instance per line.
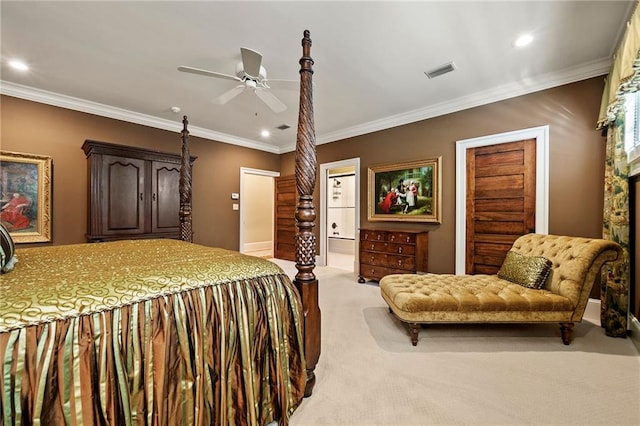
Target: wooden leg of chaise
414,329
566,328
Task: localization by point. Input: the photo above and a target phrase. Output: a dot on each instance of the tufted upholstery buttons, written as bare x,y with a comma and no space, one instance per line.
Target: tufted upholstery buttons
486,298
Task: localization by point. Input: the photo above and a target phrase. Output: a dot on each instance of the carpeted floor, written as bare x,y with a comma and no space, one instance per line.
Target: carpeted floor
370,374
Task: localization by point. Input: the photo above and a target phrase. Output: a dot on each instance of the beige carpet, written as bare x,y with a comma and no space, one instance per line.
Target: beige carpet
369,374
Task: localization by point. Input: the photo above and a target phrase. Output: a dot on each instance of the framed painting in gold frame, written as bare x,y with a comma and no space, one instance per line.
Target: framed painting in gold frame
406,192
25,192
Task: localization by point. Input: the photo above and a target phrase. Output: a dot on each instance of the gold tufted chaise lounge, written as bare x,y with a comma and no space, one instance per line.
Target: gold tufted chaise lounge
447,298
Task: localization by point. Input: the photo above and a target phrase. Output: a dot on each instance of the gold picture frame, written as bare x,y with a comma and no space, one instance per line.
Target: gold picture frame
406,192
25,196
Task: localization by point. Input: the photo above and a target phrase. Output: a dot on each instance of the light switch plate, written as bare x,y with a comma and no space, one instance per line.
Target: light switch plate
235,196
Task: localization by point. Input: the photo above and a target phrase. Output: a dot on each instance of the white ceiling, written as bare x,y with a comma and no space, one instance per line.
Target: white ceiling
120,59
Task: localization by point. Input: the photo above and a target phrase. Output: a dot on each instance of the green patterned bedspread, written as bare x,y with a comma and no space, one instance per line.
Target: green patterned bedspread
51,283
150,332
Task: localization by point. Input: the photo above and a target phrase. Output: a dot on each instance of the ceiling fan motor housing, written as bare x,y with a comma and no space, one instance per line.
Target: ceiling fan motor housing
243,75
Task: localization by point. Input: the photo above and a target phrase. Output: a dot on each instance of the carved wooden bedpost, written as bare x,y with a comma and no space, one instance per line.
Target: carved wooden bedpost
305,280
186,230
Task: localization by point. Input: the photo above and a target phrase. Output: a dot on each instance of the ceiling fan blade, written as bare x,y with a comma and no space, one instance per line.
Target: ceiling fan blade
282,84
251,61
208,73
270,99
228,95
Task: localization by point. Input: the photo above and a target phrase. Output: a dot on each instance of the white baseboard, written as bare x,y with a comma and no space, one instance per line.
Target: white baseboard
260,248
634,328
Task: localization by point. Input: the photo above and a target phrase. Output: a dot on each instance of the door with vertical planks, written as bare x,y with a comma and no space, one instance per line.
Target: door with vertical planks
501,202
285,222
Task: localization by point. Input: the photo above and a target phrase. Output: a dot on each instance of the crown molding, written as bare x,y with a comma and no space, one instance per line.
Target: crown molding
500,93
55,99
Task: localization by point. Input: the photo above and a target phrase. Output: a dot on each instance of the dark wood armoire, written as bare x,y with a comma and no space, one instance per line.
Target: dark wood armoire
132,192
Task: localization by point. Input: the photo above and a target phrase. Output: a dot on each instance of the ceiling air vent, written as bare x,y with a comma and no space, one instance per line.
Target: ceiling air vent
283,127
442,69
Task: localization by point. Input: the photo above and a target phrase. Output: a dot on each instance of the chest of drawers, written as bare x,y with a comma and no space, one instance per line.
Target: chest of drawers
387,251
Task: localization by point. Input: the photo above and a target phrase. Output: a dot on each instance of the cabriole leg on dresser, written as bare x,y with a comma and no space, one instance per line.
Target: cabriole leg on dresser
566,328
414,329
361,279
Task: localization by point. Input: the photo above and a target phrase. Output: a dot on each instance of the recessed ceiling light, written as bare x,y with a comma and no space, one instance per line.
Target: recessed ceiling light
19,65
523,40
265,133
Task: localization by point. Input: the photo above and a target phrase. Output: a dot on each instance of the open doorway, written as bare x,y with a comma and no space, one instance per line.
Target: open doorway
256,211
340,213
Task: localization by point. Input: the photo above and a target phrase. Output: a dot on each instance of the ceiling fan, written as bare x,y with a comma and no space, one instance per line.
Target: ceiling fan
251,75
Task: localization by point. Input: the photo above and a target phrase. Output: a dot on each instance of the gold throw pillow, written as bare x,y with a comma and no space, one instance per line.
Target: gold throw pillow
528,271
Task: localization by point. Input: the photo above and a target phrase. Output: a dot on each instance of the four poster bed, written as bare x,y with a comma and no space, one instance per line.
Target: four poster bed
164,332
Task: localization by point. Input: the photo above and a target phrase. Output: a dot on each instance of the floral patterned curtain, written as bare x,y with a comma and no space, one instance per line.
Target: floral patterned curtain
623,78
615,277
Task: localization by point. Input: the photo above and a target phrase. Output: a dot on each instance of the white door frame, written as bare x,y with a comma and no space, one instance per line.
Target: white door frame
541,135
248,171
324,172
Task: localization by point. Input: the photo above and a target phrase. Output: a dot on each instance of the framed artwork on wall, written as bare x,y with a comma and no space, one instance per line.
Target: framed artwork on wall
25,196
406,192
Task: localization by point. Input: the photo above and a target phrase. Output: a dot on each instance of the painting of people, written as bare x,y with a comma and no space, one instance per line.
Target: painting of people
405,192
24,196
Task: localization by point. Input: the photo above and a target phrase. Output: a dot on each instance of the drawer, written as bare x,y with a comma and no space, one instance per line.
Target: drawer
406,249
401,237
401,262
377,272
374,246
372,235
372,258
373,272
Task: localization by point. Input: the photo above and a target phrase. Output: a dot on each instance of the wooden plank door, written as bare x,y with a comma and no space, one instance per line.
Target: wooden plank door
501,202
285,221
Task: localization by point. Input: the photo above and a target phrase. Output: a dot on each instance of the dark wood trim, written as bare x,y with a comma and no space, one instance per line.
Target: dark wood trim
186,228
305,171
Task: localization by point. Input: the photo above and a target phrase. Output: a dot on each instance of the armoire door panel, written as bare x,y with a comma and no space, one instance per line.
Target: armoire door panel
124,197
165,197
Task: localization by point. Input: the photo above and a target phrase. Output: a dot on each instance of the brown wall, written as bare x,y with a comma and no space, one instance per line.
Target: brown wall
36,128
576,158
576,161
